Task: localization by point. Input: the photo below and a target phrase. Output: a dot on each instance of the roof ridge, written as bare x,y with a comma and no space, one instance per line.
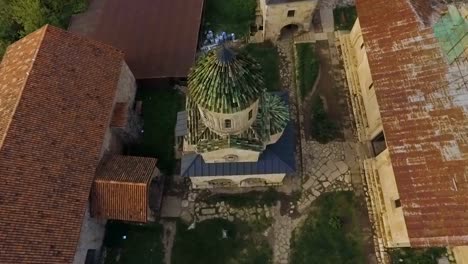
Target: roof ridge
28,71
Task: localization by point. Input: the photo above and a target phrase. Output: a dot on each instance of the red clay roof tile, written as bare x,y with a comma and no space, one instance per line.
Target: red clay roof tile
60,90
424,121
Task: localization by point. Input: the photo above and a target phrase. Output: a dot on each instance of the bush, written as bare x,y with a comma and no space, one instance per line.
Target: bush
232,16
345,17
323,129
416,256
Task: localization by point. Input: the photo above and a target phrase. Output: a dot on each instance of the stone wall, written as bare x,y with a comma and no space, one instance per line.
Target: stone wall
208,182
223,155
275,17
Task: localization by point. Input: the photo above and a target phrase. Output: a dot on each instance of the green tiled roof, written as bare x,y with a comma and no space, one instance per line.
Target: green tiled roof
452,32
278,112
225,81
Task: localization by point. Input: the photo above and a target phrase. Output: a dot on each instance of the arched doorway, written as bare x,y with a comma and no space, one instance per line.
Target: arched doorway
289,31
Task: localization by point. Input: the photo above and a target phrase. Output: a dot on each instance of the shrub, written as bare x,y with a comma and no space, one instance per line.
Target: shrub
323,129
307,67
416,256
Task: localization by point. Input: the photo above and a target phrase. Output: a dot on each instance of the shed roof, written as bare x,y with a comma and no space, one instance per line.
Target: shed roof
159,37
423,105
56,97
121,188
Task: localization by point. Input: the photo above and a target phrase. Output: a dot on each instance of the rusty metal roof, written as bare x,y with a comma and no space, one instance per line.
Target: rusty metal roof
56,97
423,103
159,37
121,188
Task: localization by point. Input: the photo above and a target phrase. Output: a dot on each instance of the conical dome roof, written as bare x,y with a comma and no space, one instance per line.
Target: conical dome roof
225,81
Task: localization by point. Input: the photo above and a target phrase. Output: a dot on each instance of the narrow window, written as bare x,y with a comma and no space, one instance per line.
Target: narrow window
371,85
397,203
227,123
291,13
250,114
362,45
378,144
260,28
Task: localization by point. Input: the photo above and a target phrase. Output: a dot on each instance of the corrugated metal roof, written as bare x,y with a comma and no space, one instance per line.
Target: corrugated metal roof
423,104
159,37
121,188
61,89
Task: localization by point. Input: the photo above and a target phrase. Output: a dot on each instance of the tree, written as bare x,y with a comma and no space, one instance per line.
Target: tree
30,14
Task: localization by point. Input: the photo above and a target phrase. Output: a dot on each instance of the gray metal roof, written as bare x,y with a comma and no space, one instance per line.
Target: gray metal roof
277,158
181,124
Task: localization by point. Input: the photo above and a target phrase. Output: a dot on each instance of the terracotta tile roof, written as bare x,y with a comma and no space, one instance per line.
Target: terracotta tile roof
159,37
121,188
120,115
424,115
56,94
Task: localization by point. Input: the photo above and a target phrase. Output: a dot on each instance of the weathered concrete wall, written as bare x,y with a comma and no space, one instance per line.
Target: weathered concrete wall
204,182
276,17
126,88
239,121
223,154
91,237
461,254
393,217
363,72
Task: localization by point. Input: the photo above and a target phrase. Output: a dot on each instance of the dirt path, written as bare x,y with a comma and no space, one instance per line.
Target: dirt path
170,229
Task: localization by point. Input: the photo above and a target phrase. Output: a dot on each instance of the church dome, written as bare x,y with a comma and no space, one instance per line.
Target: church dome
225,81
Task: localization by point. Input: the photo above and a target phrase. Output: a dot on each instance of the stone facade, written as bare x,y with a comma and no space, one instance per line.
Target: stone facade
239,121
378,177
208,182
278,14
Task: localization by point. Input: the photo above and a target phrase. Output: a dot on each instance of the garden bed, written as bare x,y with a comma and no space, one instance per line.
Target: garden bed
205,244
344,17
307,68
142,243
267,55
160,107
231,16
332,232
416,256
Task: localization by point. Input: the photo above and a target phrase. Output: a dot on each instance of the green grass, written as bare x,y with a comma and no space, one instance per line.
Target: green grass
344,17
323,129
160,107
231,16
331,233
249,199
267,55
307,67
143,244
205,244
416,256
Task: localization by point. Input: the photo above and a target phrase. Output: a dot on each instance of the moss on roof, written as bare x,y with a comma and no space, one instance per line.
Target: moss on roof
225,81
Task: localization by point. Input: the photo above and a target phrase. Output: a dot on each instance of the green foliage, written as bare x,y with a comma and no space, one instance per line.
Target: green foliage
143,243
232,16
307,67
331,233
21,17
267,55
344,17
205,244
416,256
323,129
160,107
249,199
